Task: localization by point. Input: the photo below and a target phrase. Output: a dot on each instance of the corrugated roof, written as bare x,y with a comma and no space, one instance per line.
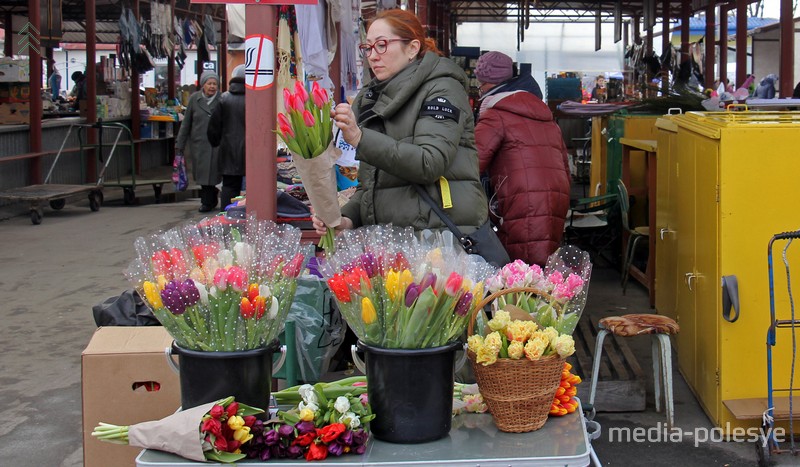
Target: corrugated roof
697,25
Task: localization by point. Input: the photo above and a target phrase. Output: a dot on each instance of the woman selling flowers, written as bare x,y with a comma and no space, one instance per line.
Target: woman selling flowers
412,124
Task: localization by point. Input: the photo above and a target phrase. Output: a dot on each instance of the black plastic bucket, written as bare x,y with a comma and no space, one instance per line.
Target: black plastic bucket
210,376
411,392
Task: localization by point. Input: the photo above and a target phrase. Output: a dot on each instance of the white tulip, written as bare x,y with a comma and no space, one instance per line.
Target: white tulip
273,309
342,404
225,258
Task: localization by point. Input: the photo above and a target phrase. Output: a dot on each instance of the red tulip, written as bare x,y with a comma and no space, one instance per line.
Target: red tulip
232,409
287,132
252,292
247,308
316,452
292,269
308,119
319,95
283,120
301,92
453,284
260,304
287,99
216,411
237,278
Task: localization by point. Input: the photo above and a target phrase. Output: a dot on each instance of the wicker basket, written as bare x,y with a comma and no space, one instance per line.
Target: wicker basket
519,393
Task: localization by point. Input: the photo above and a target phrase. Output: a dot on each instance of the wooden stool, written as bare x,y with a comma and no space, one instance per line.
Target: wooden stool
660,327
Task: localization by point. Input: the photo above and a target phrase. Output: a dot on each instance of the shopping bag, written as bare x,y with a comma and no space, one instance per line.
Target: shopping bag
179,177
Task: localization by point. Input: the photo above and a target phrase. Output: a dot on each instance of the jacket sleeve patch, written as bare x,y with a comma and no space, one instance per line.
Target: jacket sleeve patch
440,109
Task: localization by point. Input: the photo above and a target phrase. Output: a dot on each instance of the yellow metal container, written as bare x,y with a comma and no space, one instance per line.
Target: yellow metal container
731,185
666,275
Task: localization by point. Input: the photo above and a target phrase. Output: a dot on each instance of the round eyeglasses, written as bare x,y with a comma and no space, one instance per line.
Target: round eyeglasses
379,46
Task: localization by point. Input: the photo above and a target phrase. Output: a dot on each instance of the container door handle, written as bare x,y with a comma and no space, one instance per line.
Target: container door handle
665,231
688,278
730,298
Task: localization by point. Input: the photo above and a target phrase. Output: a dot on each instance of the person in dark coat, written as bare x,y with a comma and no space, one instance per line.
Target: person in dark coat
226,131
193,139
766,88
521,147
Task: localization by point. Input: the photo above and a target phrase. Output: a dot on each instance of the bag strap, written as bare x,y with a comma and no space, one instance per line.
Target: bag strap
465,242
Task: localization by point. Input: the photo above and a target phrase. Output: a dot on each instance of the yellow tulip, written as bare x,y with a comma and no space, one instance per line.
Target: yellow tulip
162,282
477,294
368,314
406,278
242,435
235,422
152,294
393,284
306,414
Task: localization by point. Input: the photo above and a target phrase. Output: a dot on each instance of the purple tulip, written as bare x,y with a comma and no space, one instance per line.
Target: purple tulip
171,297
360,437
369,264
189,292
336,449
463,304
346,438
428,280
412,292
359,449
271,437
304,427
294,452
286,431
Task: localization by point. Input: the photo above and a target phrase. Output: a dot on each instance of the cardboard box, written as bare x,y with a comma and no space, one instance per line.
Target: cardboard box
118,366
15,114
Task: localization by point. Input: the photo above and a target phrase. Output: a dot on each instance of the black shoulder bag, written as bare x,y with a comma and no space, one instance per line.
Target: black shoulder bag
483,242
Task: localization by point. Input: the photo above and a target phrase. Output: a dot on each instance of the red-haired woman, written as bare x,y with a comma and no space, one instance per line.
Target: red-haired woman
412,124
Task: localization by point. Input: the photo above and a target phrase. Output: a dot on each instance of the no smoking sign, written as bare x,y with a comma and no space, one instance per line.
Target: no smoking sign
259,61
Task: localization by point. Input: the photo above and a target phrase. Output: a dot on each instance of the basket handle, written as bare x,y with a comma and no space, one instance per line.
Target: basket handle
492,297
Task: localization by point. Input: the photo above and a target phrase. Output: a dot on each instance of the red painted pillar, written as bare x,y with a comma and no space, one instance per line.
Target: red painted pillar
723,42
786,71
91,87
260,140
666,44
8,44
686,13
741,42
34,52
136,118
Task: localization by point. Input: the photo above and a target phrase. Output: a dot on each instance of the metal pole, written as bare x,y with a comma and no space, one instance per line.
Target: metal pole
90,81
35,81
686,14
723,42
741,42
786,71
710,62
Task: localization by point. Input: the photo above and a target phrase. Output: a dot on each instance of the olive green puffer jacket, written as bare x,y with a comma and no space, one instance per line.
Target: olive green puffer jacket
417,128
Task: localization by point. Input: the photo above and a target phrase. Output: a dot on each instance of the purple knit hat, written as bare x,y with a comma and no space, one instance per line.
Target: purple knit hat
494,68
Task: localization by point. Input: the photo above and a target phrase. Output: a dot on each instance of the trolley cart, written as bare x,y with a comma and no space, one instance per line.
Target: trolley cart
128,183
768,444
55,194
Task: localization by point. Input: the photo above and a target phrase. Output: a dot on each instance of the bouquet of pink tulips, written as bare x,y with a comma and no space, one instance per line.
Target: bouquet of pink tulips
307,132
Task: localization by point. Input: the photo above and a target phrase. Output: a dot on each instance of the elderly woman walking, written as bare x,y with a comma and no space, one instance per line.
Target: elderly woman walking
192,139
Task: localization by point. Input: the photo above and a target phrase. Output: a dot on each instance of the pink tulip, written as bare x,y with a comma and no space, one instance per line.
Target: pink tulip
287,99
453,284
300,92
283,120
319,95
221,279
295,103
237,278
287,132
308,119
292,269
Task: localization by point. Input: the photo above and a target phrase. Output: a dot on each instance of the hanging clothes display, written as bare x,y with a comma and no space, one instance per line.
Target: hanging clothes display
289,59
352,33
311,28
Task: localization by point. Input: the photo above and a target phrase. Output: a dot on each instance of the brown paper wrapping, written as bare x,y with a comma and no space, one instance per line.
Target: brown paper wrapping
178,433
319,181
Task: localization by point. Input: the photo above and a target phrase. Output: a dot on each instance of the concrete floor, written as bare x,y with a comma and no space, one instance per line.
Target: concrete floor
52,274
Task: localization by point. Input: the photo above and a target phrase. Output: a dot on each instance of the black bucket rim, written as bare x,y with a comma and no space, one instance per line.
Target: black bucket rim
272,347
410,352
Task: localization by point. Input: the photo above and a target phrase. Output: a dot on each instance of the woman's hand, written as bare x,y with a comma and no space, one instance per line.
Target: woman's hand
345,120
322,229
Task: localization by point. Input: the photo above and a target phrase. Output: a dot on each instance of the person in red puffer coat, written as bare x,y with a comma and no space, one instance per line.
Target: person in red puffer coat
521,148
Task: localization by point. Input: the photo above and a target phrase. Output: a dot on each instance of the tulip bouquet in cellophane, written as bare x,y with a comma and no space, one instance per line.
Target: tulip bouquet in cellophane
219,288
306,129
564,281
396,291
216,431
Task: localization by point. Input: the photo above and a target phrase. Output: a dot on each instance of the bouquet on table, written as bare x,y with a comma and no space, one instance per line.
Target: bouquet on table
564,283
398,291
317,427
306,129
216,431
219,288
